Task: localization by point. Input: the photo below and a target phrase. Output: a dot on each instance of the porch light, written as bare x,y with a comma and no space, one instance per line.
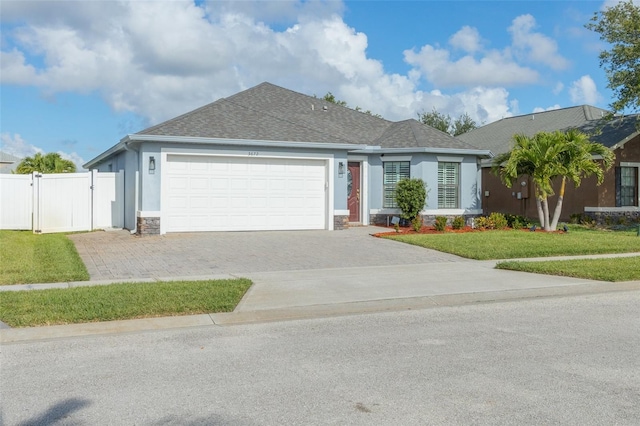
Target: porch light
341,169
152,165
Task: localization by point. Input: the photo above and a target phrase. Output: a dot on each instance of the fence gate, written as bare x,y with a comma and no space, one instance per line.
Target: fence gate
62,202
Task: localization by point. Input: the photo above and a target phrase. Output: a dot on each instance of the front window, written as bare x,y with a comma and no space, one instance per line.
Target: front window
627,186
448,185
394,172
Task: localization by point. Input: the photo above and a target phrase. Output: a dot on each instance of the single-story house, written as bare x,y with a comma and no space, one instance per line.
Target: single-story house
269,158
8,163
615,200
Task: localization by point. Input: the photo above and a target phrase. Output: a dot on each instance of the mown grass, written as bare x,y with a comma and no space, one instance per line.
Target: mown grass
120,301
613,269
27,258
510,244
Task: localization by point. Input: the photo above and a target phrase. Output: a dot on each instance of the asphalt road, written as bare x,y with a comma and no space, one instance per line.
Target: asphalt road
570,361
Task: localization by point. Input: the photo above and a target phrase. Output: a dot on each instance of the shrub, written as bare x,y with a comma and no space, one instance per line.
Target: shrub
411,196
416,223
483,222
458,222
498,220
517,224
441,223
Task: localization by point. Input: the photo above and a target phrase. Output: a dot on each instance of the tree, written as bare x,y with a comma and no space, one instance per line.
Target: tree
48,163
463,124
436,120
330,97
550,155
445,123
619,26
577,161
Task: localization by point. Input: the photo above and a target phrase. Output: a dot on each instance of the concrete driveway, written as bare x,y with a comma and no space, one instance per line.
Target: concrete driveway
119,255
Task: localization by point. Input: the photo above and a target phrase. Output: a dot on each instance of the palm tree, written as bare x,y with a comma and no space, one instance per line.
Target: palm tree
546,156
577,161
535,157
48,163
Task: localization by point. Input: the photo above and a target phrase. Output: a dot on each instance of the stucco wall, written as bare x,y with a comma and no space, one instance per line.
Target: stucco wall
425,167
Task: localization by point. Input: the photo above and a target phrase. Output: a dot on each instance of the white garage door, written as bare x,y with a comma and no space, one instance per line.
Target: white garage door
205,193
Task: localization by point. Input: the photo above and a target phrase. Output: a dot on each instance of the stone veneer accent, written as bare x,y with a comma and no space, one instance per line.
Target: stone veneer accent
148,226
340,222
428,220
614,217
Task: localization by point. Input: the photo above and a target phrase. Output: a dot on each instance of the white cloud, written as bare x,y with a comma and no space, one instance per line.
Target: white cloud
551,108
494,69
584,91
533,46
126,52
467,39
17,146
14,70
558,88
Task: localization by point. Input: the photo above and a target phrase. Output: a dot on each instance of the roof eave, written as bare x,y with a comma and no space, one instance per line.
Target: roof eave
460,151
120,146
243,142
624,141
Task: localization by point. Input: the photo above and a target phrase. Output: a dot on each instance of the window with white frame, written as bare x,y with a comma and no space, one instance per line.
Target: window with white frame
394,172
626,186
448,185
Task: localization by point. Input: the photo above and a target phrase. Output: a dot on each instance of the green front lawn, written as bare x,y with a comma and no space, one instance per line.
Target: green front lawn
510,244
120,301
28,258
614,269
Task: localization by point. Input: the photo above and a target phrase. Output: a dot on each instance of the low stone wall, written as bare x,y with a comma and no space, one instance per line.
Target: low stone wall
148,226
614,217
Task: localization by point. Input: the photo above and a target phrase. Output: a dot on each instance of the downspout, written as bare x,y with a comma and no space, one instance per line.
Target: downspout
136,191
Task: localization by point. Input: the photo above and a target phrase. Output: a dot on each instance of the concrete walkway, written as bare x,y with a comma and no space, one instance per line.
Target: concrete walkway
398,283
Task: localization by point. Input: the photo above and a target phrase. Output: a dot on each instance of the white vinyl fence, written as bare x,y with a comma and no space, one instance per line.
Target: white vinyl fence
62,202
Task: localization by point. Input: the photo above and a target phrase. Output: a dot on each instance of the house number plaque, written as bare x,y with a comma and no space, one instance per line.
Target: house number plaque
253,153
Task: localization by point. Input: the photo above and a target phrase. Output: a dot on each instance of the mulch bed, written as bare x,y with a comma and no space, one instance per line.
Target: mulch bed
448,230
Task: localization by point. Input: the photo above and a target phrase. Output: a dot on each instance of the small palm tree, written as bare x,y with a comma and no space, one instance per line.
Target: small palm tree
48,163
577,161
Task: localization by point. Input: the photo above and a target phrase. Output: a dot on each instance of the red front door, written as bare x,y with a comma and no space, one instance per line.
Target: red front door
353,191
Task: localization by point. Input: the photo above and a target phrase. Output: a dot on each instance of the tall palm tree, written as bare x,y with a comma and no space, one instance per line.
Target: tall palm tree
48,163
537,158
577,161
546,156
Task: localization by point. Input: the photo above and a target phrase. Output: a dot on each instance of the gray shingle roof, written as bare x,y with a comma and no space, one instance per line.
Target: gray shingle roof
8,162
497,136
411,133
272,113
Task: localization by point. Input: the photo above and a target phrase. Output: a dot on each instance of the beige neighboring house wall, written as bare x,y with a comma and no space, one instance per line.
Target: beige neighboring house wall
8,162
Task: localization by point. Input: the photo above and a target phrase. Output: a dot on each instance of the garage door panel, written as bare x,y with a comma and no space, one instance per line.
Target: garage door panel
233,193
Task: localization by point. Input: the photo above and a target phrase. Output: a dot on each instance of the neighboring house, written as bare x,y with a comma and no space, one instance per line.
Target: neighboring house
269,158
8,163
616,197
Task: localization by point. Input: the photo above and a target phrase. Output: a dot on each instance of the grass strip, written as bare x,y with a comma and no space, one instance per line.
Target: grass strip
28,258
120,301
613,269
511,244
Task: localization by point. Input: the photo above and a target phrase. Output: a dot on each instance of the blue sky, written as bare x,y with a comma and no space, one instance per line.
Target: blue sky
77,76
